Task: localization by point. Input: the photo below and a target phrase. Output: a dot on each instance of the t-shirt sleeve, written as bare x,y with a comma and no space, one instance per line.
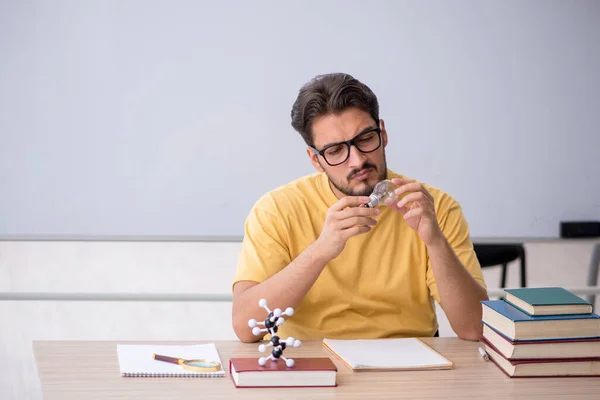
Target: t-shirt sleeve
454,226
264,249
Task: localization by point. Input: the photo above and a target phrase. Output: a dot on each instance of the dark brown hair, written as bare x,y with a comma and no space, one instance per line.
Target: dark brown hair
330,94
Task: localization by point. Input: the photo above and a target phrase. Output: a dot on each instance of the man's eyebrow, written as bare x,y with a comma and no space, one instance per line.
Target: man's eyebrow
369,128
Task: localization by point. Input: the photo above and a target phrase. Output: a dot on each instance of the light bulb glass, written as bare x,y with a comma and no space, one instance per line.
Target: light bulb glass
381,192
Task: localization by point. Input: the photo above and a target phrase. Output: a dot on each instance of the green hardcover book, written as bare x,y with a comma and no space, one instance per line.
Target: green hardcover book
547,301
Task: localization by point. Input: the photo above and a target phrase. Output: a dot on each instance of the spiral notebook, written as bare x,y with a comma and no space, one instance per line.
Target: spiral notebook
135,360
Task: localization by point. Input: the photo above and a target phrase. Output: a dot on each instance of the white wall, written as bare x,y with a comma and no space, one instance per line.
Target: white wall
171,118
163,267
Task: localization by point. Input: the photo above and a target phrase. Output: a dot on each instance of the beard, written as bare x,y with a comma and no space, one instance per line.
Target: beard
365,188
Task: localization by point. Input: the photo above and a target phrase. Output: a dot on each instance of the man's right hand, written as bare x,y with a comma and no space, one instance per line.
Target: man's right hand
344,219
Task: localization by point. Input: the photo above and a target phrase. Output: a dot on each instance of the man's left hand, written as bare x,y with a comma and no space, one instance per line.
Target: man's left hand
416,205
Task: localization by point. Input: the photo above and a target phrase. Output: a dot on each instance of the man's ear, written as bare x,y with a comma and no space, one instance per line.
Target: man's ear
384,137
314,159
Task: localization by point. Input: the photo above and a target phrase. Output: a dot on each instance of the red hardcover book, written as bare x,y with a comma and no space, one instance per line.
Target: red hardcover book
542,349
307,372
539,368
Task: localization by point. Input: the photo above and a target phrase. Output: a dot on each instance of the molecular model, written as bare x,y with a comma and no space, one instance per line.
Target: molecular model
272,322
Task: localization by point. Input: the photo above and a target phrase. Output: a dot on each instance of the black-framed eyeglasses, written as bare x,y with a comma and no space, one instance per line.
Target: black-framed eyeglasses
338,153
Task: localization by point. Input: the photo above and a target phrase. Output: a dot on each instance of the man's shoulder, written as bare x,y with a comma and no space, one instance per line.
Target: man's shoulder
288,195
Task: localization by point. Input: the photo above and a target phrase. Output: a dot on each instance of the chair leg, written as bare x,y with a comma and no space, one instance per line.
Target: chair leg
523,269
503,276
593,269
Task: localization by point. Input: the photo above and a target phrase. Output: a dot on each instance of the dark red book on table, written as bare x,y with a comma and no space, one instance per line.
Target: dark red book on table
542,368
306,372
544,348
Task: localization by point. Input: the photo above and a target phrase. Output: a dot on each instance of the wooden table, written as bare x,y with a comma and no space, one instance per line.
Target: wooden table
90,370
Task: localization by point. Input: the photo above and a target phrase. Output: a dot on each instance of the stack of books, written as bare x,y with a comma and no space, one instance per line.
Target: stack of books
542,332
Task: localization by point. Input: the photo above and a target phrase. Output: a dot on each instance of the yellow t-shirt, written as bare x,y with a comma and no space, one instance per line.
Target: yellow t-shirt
380,286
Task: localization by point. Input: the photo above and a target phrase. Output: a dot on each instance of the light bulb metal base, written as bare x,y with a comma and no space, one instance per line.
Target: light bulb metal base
374,202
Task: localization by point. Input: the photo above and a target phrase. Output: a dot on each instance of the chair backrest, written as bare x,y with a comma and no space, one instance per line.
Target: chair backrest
497,254
493,254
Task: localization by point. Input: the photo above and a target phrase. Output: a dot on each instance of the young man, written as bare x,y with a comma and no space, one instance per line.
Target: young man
351,271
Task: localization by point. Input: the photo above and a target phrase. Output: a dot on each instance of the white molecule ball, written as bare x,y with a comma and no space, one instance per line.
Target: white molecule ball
280,322
262,348
289,311
252,323
256,331
277,312
262,361
297,343
290,341
289,362
262,302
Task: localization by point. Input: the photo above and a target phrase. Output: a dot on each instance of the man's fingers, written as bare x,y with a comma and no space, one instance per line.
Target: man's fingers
413,212
354,221
401,181
358,212
406,186
349,201
391,203
418,198
409,187
355,230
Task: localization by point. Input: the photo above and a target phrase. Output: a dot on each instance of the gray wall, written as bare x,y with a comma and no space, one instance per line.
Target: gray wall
172,117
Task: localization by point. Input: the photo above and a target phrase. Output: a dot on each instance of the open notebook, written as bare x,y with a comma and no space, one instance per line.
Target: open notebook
136,360
387,354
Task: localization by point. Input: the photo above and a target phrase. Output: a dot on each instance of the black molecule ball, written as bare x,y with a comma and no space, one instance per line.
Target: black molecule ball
269,324
277,353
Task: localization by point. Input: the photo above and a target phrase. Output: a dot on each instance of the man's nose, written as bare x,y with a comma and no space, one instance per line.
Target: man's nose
356,158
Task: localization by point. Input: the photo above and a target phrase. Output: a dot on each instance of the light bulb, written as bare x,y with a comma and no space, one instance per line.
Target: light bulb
381,192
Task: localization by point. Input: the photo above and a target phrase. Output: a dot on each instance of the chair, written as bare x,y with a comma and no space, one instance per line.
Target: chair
491,255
